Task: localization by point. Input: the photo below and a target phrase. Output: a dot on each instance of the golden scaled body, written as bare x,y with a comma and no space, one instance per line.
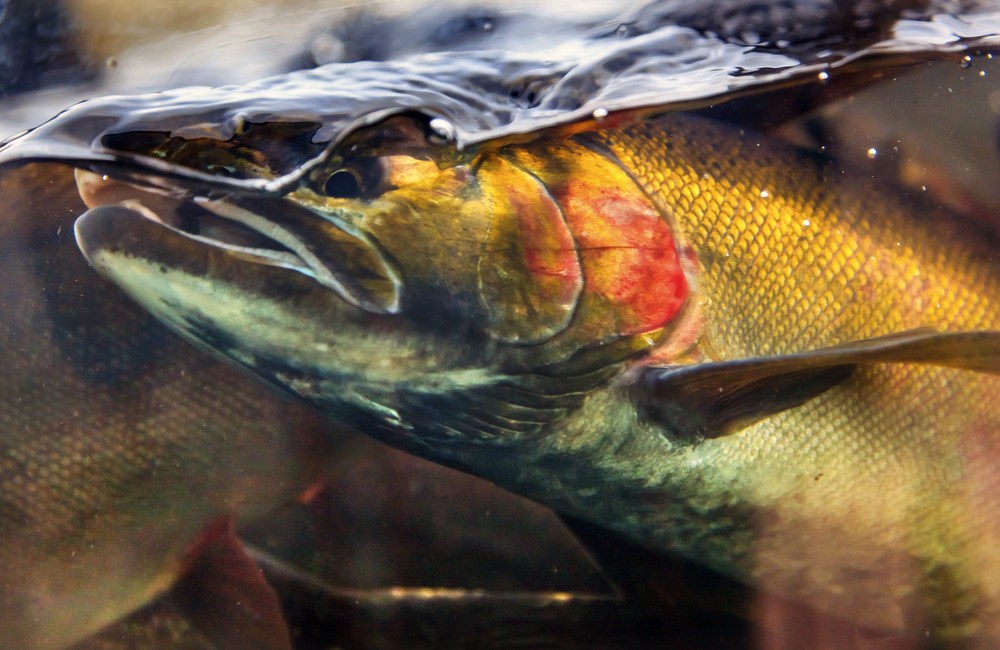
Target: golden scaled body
884,490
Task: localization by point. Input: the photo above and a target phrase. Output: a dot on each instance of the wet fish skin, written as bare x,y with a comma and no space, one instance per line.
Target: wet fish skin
871,498
792,256
118,445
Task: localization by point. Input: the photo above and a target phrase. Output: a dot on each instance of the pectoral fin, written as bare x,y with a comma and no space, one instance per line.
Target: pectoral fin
710,400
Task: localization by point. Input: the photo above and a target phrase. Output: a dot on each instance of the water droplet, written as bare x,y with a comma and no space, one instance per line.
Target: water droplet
600,114
622,30
488,26
806,223
823,76
104,177
441,131
872,152
764,194
966,61
982,73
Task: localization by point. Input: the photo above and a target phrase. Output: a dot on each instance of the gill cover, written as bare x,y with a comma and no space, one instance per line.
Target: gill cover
547,245
634,282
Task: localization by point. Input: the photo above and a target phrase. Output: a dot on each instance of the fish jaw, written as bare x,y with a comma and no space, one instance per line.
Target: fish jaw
278,323
207,293
227,224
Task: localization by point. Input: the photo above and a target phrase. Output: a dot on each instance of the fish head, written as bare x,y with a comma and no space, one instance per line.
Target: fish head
400,271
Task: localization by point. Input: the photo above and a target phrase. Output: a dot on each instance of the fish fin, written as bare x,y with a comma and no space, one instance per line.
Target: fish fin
225,596
710,400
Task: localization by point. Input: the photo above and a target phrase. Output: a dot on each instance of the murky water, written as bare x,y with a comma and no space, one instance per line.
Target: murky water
391,550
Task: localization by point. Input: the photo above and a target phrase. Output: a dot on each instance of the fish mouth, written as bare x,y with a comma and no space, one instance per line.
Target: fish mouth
260,230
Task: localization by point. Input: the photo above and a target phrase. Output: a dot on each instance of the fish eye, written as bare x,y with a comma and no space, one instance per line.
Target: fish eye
343,184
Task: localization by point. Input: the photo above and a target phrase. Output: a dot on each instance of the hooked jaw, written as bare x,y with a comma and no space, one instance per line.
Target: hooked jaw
295,296
236,283
322,247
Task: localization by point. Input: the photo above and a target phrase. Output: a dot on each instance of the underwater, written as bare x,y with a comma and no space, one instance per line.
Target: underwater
479,324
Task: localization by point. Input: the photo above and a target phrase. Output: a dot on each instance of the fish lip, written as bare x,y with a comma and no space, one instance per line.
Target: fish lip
140,200
294,256
300,251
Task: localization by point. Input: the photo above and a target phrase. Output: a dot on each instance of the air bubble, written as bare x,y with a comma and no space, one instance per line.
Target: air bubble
823,76
966,61
239,122
872,152
600,114
441,131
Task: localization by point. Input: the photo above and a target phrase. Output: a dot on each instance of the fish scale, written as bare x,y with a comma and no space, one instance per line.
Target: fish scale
107,475
842,277
841,233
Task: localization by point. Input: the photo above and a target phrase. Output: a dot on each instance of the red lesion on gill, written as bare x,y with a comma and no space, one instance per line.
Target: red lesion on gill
628,252
634,280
